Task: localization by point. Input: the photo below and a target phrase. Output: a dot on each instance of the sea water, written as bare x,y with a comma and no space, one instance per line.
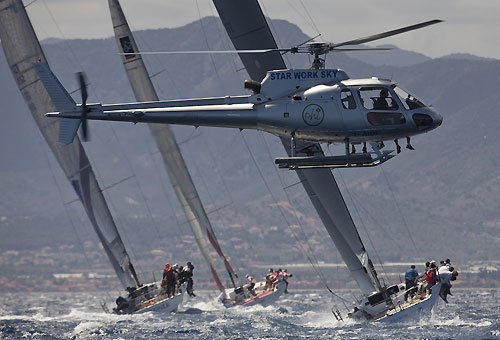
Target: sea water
470,314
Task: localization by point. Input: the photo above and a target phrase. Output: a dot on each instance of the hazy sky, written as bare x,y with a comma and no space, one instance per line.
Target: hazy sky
471,26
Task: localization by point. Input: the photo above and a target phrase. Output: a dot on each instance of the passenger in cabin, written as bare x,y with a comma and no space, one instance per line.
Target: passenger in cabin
447,263
380,103
251,284
411,276
188,274
412,104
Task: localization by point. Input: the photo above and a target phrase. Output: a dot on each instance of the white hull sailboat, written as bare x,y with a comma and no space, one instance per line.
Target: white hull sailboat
151,298
392,306
243,296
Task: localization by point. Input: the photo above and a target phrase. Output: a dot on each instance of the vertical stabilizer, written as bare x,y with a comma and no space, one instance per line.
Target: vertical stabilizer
61,100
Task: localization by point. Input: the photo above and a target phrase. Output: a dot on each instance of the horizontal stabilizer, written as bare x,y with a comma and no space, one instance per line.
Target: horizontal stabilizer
68,129
61,100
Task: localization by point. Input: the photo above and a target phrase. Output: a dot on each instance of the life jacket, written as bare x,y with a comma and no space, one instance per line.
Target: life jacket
274,276
170,275
430,276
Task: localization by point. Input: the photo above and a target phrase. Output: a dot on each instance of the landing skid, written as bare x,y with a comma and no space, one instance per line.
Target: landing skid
333,162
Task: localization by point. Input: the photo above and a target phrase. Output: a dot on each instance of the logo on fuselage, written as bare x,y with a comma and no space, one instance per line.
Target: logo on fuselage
313,115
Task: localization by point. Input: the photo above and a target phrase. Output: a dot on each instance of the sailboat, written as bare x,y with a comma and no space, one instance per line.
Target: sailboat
247,28
180,178
22,49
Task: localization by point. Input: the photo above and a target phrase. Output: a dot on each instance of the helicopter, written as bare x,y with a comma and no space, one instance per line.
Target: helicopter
317,104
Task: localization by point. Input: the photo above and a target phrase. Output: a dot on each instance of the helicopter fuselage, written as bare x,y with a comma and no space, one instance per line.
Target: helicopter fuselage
313,105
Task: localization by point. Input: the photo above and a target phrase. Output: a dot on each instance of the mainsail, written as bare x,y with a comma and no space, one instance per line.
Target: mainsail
22,49
247,28
165,140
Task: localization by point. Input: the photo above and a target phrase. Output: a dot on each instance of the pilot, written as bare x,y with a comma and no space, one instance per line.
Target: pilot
380,103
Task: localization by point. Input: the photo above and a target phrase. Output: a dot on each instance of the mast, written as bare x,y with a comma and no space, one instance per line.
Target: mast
22,48
248,29
165,140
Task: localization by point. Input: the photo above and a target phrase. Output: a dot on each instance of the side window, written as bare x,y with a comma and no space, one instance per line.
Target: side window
377,98
347,99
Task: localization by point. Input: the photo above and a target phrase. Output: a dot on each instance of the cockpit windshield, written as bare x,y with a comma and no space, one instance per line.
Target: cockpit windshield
408,100
377,98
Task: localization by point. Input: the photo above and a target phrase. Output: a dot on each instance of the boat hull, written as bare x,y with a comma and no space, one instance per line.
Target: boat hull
167,305
414,311
263,298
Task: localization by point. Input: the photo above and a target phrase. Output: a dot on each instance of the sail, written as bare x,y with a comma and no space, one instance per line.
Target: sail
247,28
22,48
165,140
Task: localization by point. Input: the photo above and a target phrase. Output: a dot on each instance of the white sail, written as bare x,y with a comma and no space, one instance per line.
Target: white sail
247,28
22,48
167,145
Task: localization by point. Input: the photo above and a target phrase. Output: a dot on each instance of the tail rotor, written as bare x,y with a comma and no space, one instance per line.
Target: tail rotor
83,89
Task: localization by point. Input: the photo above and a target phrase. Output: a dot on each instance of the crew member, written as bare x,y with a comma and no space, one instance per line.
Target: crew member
188,274
169,279
251,284
268,280
285,276
411,280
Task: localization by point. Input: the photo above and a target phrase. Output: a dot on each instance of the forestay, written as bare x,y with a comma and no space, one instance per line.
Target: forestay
165,140
22,48
247,28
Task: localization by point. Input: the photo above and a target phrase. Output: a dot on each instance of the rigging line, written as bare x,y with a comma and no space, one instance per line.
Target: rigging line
31,3
312,22
399,210
377,223
72,61
224,39
217,212
363,224
320,275
359,217
119,182
209,48
147,62
159,170
275,35
300,13
116,217
154,223
59,189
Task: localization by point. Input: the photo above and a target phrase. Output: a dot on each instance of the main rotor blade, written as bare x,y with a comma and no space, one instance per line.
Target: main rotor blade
209,52
385,34
85,131
361,49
